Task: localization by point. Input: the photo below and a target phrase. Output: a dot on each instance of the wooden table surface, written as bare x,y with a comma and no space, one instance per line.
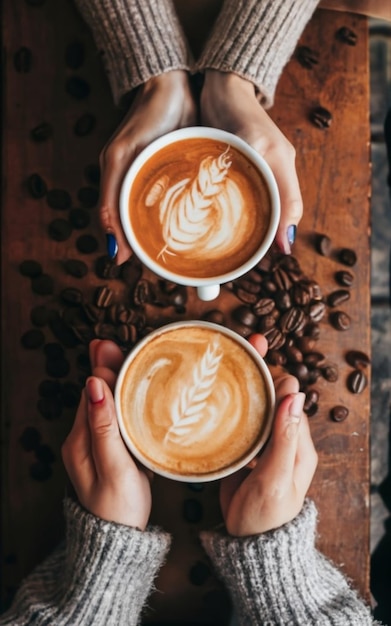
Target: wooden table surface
334,171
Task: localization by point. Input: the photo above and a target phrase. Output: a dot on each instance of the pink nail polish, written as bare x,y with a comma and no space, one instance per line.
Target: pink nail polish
95,390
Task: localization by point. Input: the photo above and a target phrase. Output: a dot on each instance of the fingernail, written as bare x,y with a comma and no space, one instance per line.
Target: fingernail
297,404
291,233
112,246
95,390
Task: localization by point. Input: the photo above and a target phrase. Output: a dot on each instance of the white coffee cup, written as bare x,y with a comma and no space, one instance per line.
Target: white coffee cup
195,401
208,287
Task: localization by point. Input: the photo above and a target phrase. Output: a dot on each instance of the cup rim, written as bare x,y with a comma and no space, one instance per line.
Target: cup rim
207,132
224,471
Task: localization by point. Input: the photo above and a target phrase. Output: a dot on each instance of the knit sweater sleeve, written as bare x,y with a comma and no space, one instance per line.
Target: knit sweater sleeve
280,578
101,576
138,39
255,39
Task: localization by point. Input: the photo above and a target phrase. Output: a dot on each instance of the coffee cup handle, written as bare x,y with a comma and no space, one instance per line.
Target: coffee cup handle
208,292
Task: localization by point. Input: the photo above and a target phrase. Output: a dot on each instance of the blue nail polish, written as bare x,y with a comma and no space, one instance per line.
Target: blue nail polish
291,233
112,246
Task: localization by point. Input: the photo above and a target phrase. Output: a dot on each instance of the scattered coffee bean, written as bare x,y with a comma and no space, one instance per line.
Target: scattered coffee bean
321,117
340,320
323,245
282,279
79,218
75,268
301,294
317,310
53,350
314,359
143,293
71,296
30,439
58,199
264,306
74,55
275,357
77,87
105,331
63,333
311,398
42,132
192,510
33,339
127,334
248,285
23,60
307,57
293,354
58,368
357,381
347,257
199,573
245,296
339,413
103,297
49,388
40,471
357,359
40,315
282,300
300,370
92,314
347,35
107,268
92,173
292,320
344,278
43,285
50,408
215,316
245,316
30,268
87,244
44,453
330,373
36,186
84,125
88,197
305,344
275,338
312,410
59,230
338,297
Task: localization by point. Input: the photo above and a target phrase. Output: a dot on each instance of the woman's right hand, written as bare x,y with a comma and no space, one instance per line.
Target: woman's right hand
162,104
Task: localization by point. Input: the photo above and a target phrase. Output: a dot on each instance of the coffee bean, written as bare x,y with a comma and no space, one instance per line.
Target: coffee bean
275,357
36,186
84,125
344,278
282,280
49,388
71,296
301,294
49,408
254,276
30,439
338,297
178,300
23,60
88,197
311,397
300,370
269,286
58,368
323,245
77,87
58,199
64,333
339,413
321,117
275,338
127,333
103,297
33,339
74,55
215,316
40,315
92,173
357,359
42,132
87,244
357,381
312,410
245,296
143,293
330,373
199,573
106,268
42,285
59,230
265,264
266,322
340,320
347,257
292,320
313,375
307,57
192,510
248,285
44,453
105,331
40,471
305,344
79,218
293,354
317,310
53,350
312,330
347,35
264,306
30,268
314,359
245,316
282,300
75,268
82,332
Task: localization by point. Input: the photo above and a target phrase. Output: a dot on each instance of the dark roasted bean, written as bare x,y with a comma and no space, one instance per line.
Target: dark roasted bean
106,268
300,370
88,197
347,35
44,453
312,330
215,316
311,397
300,294
42,132
265,264
307,57
178,299
127,333
40,315
338,297
357,359
30,268
245,296
63,333
105,331
86,244
59,230
330,373
245,316
84,125
266,322
339,413
36,186
282,280
143,292
192,510
340,320
58,199
103,297
33,339
248,285
275,338
274,357
91,313
269,286
314,289
23,60
254,276
292,320
74,55
71,296
283,300
305,344
49,388
77,87
53,350
79,218
30,439
313,375
75,268
264,306
312,410
42,285
314,359
323,245
316,310
40,471
347,257
357,381
82,332
293,354
321,117
131,271
58,368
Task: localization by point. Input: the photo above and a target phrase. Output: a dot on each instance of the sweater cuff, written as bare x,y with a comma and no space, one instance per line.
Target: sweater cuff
137,40
255,39
280,578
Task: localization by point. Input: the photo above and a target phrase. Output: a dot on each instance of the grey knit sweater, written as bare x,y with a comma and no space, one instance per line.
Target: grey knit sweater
103,573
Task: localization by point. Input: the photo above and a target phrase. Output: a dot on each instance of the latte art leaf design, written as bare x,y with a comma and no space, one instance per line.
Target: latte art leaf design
189,407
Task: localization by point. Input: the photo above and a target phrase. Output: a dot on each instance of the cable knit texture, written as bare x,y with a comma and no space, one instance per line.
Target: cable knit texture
280,579
102,576
138,40
255,39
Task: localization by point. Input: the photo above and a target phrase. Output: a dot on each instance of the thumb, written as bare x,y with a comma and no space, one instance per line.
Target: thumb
108,448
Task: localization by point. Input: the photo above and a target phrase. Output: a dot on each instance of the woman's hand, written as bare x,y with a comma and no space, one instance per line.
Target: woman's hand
229,102
273,493
162,104
106,479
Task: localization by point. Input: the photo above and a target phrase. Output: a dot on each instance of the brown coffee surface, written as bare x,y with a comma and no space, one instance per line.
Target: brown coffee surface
194,401
199,208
